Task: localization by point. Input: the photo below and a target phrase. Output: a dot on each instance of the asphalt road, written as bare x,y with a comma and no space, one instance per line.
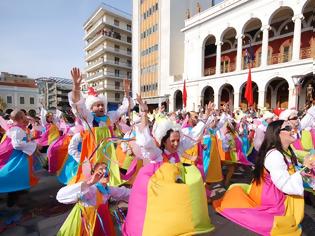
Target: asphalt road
41,214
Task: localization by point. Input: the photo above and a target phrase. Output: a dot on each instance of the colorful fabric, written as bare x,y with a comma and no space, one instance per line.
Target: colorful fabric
277,213
96,147
153,209
16,169
57,153
50,135
89,220
211,160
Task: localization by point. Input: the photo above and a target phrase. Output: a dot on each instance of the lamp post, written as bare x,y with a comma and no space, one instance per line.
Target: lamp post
297,85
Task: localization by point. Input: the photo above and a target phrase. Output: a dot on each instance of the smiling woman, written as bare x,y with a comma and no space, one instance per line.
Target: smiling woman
275,197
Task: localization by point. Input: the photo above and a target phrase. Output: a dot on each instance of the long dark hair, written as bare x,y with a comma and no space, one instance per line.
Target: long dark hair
271,141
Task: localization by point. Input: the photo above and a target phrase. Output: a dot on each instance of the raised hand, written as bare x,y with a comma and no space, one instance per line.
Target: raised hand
126,85
76,77
143,106
209,108
96,177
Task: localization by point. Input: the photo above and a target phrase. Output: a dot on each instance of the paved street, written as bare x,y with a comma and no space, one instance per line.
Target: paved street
43,215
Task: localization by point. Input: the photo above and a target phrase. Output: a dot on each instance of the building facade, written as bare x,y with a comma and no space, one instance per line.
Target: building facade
18,91
108,52
279,34
53,92
158,45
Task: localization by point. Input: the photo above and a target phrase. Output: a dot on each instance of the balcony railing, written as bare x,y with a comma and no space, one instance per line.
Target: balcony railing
108,34
209,71
306,53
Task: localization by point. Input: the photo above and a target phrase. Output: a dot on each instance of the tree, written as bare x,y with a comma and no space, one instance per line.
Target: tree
3,104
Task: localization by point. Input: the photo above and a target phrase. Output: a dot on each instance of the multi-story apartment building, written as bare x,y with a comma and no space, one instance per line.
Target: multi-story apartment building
18,91
53,92
108,52
158,45
278,33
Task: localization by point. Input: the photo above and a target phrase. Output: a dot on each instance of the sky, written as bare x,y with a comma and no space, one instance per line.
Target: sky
45,37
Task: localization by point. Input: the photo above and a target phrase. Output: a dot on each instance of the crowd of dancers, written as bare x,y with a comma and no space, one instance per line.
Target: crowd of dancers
163,165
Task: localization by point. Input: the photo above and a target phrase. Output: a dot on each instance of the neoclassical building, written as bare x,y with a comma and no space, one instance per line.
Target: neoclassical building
279,33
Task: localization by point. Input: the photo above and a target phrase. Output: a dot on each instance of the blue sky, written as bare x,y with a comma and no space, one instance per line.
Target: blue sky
45,37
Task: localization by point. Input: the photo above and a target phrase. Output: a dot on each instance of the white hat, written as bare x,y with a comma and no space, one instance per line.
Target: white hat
93,97
161,127
268,115
286,114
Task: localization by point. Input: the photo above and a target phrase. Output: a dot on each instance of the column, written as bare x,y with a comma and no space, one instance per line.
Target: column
261,99
216,100
218,58
264,47
239,52
297,36
236,100
273,99
293,98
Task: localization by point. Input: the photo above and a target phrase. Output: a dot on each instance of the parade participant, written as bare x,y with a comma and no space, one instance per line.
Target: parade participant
90,215
16,161
98,123
275,197
153,209
261,129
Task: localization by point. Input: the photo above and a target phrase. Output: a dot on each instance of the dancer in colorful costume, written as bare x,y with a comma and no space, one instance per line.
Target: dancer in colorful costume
16,160
153,209
97,121
275,197
90,215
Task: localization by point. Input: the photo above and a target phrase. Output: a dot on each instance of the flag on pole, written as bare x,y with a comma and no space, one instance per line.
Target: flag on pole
249,88
184,94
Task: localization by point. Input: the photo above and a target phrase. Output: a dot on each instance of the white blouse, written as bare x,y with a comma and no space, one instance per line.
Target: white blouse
278,169
87,194
20,140
79,109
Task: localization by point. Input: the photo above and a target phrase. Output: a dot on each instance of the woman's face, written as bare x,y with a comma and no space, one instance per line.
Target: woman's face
294,121
172,142
287,134
102,168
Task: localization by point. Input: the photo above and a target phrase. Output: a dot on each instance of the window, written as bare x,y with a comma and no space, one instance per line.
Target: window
9,99
285,56
117,48
129,75
117,96
129,62
129,51
116,22
117,85
32,100
128,27
117,73
156,6
225,66
22,100
117,60
129,39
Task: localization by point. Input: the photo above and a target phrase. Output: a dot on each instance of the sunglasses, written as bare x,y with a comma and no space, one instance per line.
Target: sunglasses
287,128
293,118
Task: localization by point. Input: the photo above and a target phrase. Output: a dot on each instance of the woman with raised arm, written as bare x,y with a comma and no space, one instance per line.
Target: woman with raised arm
98,122
167,198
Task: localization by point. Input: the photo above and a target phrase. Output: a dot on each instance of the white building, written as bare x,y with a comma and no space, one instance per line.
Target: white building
108,52
158,45
53,92
18,91
282,40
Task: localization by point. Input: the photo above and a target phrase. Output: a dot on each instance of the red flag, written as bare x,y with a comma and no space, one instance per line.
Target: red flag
249,89
184,94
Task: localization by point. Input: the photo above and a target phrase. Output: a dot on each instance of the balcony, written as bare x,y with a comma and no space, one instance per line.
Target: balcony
109,87
94,65
101,49
118,64
113,36
101,23
111,75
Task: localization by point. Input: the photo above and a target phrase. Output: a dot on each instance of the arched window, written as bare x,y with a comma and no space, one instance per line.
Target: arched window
286,51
